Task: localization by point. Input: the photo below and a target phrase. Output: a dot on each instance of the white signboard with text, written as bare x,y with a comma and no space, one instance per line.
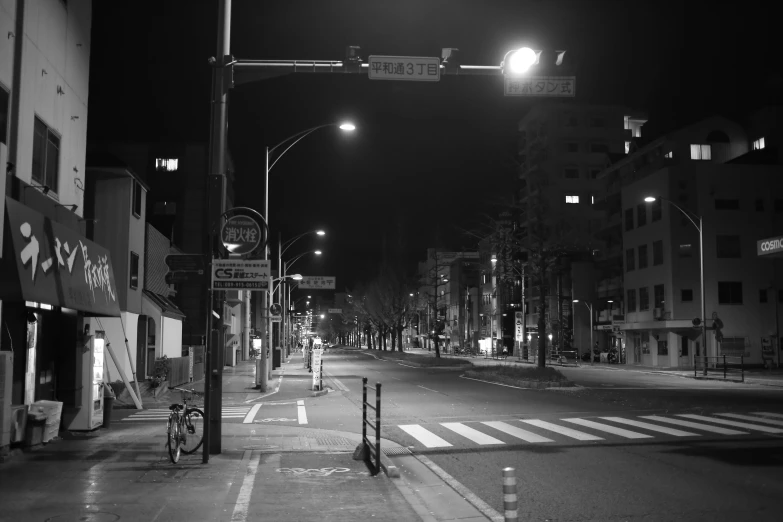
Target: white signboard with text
317,282
547,86
407,68
518,318
240,274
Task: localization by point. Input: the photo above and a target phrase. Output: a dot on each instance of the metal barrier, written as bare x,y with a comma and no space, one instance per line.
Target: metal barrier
179,371
376,448
729,366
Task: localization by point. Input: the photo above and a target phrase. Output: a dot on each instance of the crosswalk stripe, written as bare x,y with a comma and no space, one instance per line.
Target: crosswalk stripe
519,433
744,425
562,430
301,412
620,432
651,427
750,418
471,433
252,414
768,414
694,425
424,436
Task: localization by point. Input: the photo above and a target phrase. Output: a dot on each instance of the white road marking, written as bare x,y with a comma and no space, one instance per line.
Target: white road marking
768,414
694,425
519,433
302,412
252,414
562,430
243,499
620,432
750,418
471,433
424,436
652,427
428,389
743,425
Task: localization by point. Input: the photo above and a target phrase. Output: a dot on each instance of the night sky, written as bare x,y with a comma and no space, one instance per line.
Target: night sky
427,159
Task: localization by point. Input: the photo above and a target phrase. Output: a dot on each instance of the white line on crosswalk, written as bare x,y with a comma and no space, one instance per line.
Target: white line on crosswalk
694,425
562,430
252,414
471,433
743,425
750,418
424,436
519,433
651,427
302,413
620,432
768,414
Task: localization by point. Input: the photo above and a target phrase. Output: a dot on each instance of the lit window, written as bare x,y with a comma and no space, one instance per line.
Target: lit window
758,144
169,164
627,147
626,122
572,199
701,152
669,155
592,200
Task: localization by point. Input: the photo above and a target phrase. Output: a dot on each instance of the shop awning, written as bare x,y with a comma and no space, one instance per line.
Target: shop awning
52,264
164,304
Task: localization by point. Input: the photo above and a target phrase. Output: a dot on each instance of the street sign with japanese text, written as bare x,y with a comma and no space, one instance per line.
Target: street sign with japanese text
518,318
240,274
410,68
241,234
317,282
335,310
551,86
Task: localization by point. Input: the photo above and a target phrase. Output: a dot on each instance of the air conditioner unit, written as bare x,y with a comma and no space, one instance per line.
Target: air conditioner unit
658,314
18,422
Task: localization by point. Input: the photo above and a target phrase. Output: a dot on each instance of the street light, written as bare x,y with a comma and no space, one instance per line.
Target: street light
284,269
700,228
589,307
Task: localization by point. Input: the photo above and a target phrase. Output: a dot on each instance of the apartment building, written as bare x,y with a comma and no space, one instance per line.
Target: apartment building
714,176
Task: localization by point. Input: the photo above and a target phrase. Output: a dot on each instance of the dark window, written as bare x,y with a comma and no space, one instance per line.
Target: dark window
594,173
137,198
759,205
644,299
46,155
642,256
683,346
597,122
572,147
686,250
763,295
629,219
641,214
686,295
4,97
657,253
730,292
630,263
658,296
657,210
630,301
728,246
572,121
599,147
778,206
663,347
572,173
134,270
780,296
727,204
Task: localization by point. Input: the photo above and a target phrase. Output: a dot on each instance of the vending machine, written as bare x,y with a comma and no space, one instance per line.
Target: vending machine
88,411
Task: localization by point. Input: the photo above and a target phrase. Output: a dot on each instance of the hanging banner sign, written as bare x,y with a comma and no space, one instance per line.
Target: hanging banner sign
518,318
317,353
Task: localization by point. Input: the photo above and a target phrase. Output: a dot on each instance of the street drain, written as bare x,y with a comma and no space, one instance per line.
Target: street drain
89,516
396,452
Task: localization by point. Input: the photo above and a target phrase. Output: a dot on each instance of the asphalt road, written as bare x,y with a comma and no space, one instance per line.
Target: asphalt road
621,446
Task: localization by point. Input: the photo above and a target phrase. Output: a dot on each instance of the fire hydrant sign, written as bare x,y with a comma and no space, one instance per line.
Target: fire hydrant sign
241,234
240,274
317,352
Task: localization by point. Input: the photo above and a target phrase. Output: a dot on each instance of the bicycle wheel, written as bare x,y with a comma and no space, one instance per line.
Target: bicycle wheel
192,430
173,437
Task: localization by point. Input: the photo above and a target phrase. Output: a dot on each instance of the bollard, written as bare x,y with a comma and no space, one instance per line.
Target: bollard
510,495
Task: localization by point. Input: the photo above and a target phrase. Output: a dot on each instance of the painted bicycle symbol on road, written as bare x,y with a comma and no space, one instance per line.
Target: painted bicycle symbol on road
318,472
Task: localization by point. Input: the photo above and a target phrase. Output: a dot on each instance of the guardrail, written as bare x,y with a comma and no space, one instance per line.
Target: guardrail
730,366
372,449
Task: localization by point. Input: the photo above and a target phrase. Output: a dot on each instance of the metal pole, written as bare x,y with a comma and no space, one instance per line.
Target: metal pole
377,427
703,300
590,307
364,411
217,154
509,495
524,315
777,324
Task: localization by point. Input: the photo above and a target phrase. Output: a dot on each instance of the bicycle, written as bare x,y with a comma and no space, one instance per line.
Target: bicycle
185,428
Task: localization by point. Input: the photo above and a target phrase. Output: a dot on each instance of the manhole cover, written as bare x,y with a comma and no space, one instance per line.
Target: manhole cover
93,516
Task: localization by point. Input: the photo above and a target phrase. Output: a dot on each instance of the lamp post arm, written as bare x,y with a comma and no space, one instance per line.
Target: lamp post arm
297,138
685,213
287,244
289,264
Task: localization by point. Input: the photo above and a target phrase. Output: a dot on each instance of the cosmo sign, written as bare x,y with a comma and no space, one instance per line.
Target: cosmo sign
773,245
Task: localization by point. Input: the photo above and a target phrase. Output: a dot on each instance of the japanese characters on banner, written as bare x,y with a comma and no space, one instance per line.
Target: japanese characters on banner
316,365
553,86
57,266
518,318
317,282
240,274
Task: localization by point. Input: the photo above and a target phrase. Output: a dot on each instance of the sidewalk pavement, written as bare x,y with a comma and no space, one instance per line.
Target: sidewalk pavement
264,472
760,376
